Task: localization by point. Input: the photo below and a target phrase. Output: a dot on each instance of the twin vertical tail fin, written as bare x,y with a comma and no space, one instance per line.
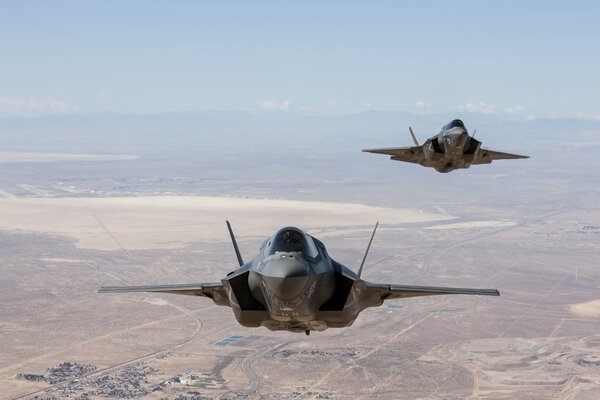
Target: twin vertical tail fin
413,136
235,245
241,261
368,247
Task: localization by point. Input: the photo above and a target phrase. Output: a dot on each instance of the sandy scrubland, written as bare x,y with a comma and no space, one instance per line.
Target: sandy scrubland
587,309
175,221
546,366
68,228
474,224
538,338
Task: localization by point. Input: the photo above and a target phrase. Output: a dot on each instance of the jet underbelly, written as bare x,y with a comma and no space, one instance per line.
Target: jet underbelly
295,299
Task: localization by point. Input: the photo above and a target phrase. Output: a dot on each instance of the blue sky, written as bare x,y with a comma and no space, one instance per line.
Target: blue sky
538,58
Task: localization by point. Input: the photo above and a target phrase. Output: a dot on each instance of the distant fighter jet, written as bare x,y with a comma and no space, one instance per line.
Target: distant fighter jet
293,284
450,149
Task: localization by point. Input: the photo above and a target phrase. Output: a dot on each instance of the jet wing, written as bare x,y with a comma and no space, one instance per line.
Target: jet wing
188,289
388,291
485,156
409,154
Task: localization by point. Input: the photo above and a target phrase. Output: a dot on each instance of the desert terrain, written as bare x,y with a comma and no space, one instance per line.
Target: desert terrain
68,225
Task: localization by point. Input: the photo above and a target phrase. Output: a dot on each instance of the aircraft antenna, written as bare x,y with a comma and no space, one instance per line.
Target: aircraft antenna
235,245
413,136
474,133
368,247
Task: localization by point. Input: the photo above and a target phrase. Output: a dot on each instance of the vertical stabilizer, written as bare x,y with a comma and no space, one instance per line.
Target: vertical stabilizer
367,252
413,136
235,245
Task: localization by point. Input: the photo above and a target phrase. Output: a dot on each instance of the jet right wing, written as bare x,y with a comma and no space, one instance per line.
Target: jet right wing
408,154
388,291
485,156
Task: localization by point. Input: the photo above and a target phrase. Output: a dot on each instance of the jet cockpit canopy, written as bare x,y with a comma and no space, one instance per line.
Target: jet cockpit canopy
290,239
456,123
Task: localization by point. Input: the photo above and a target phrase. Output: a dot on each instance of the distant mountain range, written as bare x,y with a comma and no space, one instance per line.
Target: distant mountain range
275,131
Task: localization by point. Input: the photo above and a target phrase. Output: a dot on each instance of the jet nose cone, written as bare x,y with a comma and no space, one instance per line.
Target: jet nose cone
287,265
458,136
285,275
285,288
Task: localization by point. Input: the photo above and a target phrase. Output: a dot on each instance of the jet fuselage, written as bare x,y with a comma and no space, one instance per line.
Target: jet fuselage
292,285
451,149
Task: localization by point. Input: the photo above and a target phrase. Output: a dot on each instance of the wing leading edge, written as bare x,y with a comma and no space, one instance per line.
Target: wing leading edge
188,289
409,154
486,156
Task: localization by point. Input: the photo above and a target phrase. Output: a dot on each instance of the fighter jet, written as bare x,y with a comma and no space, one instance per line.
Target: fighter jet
294,285
450,149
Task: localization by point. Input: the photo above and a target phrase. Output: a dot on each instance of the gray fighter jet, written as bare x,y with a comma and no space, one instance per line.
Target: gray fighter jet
450,149
293,284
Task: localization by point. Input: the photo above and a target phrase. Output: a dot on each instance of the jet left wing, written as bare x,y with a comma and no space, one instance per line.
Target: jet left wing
189,289
388,291
409,154
485,156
